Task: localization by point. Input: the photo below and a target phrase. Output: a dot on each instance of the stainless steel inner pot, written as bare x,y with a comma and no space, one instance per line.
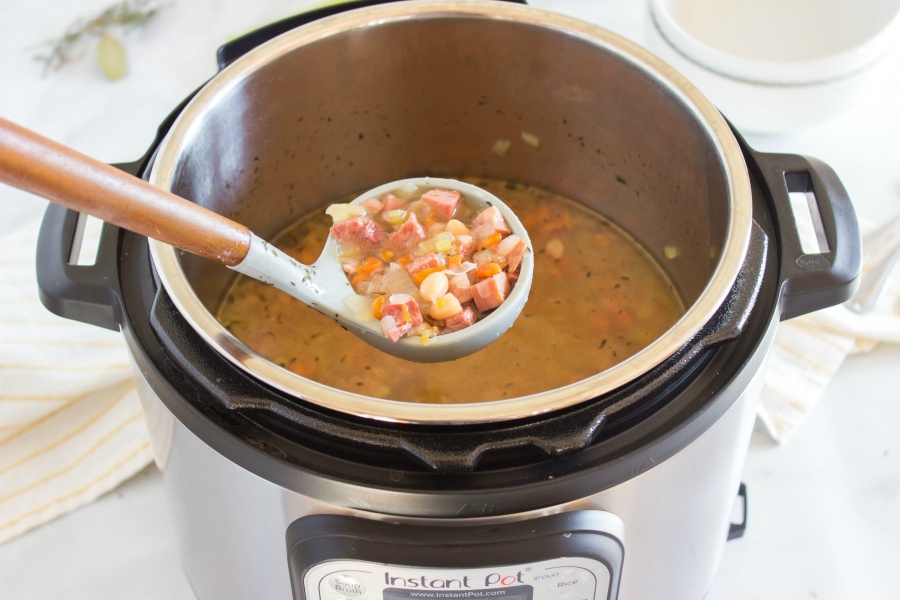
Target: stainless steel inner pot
426,88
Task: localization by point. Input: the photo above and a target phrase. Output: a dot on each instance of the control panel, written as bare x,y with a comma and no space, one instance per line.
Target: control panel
570,556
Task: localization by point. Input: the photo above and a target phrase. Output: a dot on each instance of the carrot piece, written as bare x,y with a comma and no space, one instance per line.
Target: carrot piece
491,240
371,264
421,275
485,270
376,307
602,240
359,278
563,221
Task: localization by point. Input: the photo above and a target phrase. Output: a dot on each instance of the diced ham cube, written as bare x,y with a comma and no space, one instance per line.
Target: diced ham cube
460,320
405,306
400,314
429,261
461,287
373,205
358,233
442,202
465,245
488,221
392,202
390,330
490,293
407,236
513,248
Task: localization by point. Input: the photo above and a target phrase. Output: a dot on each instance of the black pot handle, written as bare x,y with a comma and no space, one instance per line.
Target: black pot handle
233,50
86,293
812,281
737,530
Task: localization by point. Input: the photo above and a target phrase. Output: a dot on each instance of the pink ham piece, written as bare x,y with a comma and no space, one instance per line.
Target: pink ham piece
373,205
360,233
400,314
392,202
461,287
513,248
461,320
390,330
442,202
491,292
488,221
407,236
429,261
465,246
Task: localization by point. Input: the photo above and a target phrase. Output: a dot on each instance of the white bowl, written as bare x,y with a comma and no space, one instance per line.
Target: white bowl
778,65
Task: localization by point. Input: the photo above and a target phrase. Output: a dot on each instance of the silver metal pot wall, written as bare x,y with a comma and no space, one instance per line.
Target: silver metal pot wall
618,486
231,518
406,88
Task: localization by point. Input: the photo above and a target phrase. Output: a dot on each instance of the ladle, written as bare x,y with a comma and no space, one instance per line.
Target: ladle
64,176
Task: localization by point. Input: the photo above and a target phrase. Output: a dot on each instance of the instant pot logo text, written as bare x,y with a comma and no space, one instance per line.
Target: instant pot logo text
491,580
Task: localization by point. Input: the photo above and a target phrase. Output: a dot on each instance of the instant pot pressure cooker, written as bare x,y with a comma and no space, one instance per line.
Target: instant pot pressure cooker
622,485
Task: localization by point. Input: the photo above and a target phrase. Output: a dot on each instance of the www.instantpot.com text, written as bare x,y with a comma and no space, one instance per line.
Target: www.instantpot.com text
463,594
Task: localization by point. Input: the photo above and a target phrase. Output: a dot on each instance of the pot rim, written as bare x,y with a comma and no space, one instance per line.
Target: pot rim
173,279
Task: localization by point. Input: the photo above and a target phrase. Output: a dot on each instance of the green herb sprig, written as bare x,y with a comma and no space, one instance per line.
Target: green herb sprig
126,15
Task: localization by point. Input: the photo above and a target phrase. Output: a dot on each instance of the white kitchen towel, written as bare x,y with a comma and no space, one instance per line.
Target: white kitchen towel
808,350
71,426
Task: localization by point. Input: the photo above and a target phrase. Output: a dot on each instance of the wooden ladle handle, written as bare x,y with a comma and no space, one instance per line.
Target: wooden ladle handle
64,176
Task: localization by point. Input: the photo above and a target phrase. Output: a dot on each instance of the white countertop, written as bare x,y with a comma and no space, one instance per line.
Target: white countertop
824,509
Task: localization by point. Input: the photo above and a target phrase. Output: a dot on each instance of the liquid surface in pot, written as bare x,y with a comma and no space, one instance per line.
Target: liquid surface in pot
596,299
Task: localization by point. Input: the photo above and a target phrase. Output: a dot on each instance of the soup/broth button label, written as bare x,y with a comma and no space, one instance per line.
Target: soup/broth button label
347,585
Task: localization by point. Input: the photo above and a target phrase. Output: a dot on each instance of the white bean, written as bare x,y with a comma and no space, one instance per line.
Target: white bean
434,286
445,307
554,249
457,227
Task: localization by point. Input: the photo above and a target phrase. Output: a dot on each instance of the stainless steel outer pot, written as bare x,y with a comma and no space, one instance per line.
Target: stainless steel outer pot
646,456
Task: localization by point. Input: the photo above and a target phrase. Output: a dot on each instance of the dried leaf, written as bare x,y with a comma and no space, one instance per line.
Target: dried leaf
111,57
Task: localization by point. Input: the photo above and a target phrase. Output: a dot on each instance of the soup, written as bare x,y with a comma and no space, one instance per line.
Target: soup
597,298
419,269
